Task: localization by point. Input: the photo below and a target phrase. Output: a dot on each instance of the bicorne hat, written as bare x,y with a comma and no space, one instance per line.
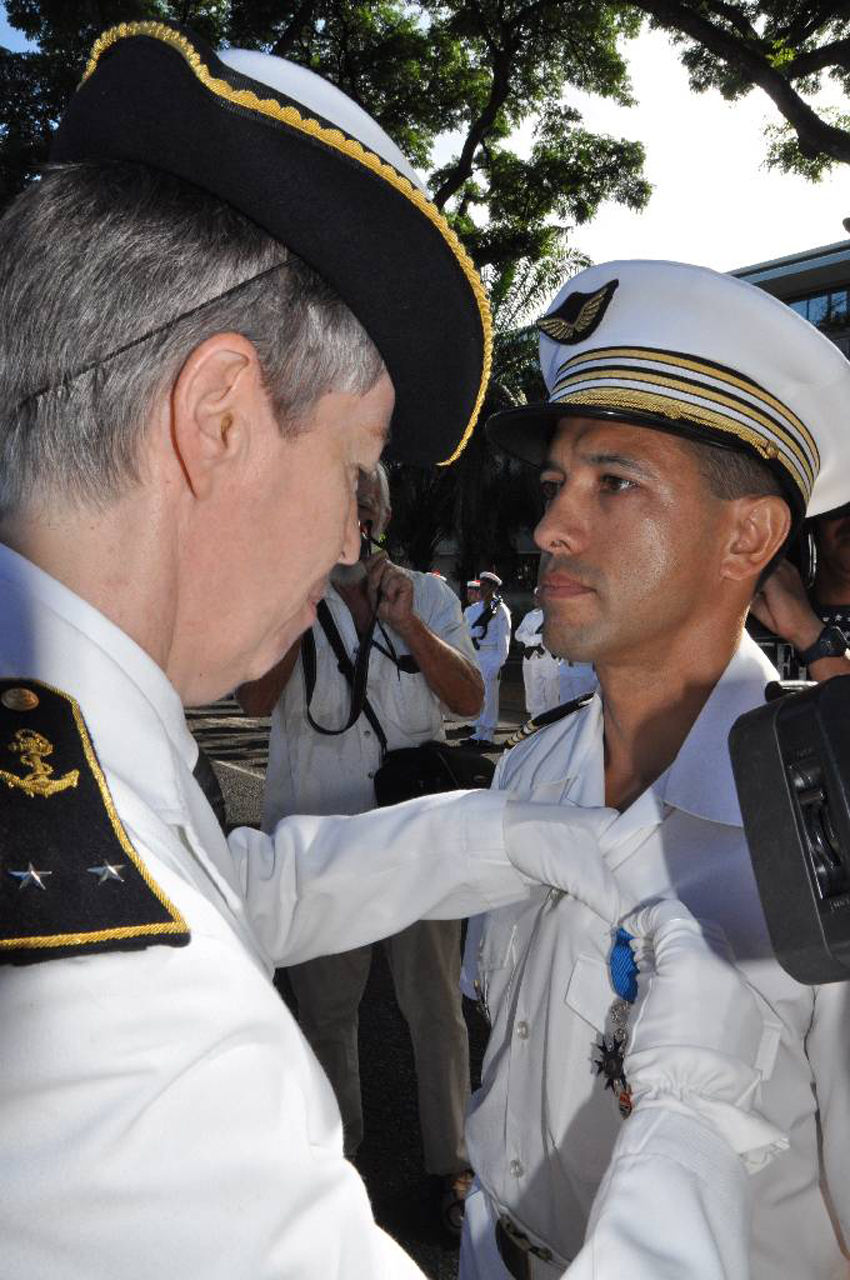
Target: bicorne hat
309,166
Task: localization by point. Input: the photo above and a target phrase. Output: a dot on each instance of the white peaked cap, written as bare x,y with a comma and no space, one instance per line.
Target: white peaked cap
697,353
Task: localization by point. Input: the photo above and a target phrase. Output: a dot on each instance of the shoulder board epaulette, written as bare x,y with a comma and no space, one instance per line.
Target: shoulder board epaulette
71,883
546,718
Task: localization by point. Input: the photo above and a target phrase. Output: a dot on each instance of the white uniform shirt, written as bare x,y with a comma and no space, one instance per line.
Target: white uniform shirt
161,1113
493,648
541,1128
309,772
528,632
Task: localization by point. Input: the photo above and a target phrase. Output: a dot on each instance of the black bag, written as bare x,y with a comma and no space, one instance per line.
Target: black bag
431,767
407,772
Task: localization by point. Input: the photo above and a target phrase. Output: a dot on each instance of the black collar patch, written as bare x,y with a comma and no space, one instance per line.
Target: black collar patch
578,316
70,880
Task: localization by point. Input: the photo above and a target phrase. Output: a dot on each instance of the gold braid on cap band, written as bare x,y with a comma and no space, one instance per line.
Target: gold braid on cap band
339,142
698,391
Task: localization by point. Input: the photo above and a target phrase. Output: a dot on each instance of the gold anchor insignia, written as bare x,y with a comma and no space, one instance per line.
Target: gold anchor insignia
32,747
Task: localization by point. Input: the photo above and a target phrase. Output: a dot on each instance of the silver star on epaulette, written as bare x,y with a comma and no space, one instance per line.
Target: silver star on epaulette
108,872
30,876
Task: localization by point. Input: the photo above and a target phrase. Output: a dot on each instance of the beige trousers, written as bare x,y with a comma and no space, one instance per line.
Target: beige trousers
425,965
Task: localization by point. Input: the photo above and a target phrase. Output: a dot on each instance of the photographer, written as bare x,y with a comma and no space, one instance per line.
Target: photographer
421,660
816,622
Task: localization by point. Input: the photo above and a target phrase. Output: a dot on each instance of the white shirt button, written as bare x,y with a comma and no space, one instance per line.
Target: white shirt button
516,1168
367,733
522,1030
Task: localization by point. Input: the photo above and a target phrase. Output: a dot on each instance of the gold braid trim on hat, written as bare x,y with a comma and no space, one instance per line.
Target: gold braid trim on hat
338,141
657,355
175,925
699,390
677,409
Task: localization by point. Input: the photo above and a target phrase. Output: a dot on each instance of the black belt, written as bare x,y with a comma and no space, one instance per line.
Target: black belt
516,1250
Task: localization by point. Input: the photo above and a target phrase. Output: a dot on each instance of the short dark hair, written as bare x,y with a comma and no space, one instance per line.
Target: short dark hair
731,473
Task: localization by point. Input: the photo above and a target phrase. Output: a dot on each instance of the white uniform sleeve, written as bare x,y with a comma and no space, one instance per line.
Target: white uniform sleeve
674,1203
828,1051
322,885
503,623
526,632
162,1115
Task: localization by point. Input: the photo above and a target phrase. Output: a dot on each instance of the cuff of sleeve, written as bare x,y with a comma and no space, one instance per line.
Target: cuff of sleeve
753,1138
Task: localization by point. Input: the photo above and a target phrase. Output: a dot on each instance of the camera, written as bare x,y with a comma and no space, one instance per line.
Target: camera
791,763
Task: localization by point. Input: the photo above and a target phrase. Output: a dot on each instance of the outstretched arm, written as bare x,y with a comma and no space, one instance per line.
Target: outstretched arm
675,1201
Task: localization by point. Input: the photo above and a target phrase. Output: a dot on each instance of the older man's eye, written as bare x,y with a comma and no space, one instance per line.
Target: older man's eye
548,491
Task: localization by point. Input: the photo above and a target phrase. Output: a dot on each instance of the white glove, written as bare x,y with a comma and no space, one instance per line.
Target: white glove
559,845
702,1039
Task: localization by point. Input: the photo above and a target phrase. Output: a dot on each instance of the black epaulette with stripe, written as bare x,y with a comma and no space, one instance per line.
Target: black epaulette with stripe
546,718
71,882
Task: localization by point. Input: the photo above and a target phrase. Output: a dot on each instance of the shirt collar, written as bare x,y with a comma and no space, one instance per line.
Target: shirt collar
700,779
131,709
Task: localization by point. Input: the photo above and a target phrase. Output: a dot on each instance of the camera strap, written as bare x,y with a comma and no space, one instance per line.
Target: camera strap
356,674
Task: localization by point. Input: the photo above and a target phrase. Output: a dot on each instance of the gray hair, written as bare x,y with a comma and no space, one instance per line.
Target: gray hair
95,256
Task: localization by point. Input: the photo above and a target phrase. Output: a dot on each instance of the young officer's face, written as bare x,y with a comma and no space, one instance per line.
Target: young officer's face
626,540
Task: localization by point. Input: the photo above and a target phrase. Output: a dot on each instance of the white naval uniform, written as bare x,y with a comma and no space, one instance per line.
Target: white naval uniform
540,672
541,1128
492,653
575,679
161,1113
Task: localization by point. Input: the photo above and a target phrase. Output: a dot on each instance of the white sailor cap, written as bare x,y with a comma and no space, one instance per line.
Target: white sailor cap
473,582
700,354
490,577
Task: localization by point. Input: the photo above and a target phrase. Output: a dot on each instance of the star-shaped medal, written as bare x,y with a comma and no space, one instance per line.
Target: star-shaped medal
30,876
108,871
610,1064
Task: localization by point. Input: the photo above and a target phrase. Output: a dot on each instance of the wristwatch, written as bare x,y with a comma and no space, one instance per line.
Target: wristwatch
831,643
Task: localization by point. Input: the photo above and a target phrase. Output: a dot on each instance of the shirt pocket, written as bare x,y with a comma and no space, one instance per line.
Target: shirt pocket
581,1113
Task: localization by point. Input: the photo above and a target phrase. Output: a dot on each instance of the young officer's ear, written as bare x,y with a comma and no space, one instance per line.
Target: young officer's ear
759,526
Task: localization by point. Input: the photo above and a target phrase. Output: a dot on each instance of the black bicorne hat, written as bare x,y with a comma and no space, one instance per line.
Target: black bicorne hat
329,184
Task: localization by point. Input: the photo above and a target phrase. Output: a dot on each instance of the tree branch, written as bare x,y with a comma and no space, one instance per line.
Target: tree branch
806,23
836,54
815,135
462,170
293,29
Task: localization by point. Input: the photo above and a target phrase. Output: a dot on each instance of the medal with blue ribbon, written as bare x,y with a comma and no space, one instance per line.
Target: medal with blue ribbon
624,971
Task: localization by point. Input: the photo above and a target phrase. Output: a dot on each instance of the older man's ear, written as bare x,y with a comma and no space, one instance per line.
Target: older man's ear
217,405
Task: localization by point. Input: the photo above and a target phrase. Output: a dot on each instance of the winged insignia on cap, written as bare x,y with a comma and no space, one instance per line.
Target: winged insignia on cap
578,315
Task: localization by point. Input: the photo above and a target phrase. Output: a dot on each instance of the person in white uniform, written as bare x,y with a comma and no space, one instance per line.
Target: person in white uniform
540,669
575,679
682,442
490,627
186,403
160,1108
421,660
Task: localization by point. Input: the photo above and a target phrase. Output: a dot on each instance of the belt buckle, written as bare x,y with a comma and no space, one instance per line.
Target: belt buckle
520,1250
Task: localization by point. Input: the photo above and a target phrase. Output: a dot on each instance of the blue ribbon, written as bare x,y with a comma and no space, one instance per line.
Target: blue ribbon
624,971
